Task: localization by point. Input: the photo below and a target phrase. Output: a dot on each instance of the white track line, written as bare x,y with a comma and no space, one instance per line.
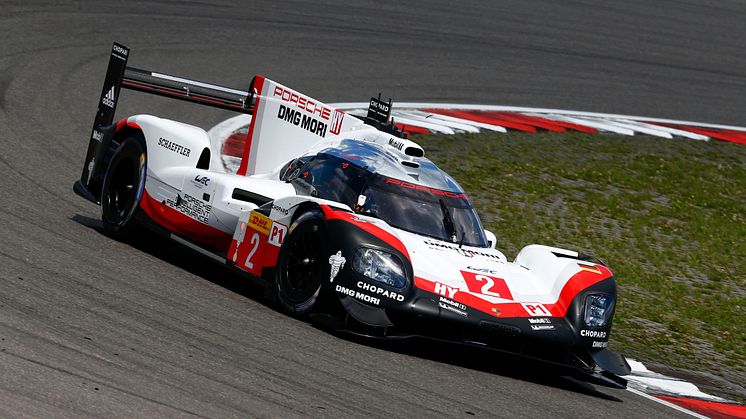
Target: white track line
427,117
666,403
639,127
593,123
676,132
447,118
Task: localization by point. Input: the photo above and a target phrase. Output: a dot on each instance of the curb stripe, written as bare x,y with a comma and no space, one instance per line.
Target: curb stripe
480,117
476,124
599,125
432,118
680,132
705,407
535,121
565,124
666,403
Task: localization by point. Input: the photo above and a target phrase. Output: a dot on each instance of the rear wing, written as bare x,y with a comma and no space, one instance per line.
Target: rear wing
284,122
119,76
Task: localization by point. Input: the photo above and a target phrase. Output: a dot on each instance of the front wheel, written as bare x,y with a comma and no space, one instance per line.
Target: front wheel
301,264
123,186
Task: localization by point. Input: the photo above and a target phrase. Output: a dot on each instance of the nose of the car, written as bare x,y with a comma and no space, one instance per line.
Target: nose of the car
472,269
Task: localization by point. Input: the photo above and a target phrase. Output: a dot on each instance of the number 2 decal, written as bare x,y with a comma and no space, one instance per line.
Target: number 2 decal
487,285
254,246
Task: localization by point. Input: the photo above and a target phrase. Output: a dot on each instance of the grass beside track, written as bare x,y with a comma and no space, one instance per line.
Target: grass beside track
668,217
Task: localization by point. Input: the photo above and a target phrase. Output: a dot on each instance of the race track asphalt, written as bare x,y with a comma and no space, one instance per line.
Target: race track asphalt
94,327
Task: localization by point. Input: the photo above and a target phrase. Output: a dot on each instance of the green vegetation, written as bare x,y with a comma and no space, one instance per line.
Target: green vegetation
668,217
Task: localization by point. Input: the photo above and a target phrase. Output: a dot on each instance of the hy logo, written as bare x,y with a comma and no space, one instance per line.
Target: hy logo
108,100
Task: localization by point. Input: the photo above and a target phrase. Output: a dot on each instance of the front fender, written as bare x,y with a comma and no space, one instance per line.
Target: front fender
593,338
365,299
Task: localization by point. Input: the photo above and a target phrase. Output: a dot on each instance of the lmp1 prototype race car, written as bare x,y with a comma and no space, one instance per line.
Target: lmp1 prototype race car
345,221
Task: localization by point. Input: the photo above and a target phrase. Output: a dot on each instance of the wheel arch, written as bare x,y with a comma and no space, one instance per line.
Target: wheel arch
287,296
305,207
127,130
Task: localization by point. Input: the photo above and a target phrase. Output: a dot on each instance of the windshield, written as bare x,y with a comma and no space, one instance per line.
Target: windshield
441,214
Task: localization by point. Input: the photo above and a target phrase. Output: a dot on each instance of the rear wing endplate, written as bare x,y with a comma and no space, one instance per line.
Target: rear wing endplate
119,76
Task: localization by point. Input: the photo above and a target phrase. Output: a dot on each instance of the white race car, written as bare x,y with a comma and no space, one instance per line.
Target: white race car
345,221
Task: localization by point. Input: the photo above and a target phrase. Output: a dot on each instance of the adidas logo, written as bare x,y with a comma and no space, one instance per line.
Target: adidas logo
108,100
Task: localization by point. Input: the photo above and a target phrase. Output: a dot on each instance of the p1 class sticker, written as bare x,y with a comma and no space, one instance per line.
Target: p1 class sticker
277,234
536,310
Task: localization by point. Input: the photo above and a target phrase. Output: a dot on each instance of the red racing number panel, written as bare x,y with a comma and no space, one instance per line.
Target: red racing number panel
260,245
487,285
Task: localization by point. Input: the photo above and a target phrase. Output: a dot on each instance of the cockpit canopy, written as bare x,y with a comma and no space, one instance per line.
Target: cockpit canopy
410,194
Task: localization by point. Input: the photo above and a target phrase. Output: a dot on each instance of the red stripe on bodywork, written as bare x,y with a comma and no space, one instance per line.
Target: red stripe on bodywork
124,122
350,217
258,86
707,408
181,224
505,309
482,117
577,283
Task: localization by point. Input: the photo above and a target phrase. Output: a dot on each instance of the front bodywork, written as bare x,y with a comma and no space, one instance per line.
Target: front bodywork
533,306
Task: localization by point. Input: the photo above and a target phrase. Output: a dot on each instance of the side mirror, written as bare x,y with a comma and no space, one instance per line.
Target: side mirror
491,238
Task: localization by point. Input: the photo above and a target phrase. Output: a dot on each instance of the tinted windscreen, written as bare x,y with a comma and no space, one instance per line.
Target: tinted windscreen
439,214
444,215
329,178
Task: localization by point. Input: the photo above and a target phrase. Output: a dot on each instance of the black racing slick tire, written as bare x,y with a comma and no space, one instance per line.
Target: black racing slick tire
123,187
302,265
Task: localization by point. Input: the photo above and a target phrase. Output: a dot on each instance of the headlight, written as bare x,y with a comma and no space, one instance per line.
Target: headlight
379,266
598,309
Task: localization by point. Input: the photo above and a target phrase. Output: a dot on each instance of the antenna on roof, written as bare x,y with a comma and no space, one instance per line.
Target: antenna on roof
379,116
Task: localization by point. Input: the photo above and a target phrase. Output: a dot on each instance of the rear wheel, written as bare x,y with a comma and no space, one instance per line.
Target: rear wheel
301,265
123,187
